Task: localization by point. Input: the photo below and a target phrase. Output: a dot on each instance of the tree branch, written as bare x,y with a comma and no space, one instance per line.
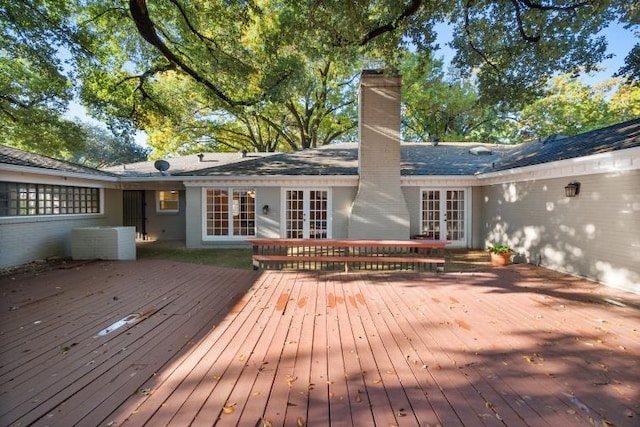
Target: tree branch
538,6
467,30
146,28
530,39
408,11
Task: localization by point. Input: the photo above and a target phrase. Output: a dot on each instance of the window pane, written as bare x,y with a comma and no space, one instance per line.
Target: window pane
217,212
244,212
39,199
168,201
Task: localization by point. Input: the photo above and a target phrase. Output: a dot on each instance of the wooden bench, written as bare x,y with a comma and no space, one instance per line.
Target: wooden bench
329,254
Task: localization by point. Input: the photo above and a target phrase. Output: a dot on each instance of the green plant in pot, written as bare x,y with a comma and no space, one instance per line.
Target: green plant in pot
500,255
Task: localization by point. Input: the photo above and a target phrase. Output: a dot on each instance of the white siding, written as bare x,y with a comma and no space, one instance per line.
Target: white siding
165,225
194,212
269,225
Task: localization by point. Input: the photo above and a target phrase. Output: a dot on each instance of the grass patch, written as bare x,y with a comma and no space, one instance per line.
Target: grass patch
229,258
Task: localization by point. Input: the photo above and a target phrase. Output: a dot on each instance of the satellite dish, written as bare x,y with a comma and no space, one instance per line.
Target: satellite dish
161,165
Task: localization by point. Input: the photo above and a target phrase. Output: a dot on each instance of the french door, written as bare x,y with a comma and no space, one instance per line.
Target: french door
307,214
444,215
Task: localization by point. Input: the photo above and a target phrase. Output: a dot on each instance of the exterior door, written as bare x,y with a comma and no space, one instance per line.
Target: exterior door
444,215
307,214
133,211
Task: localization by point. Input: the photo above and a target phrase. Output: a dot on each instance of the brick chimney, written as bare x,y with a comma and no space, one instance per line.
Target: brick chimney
379,210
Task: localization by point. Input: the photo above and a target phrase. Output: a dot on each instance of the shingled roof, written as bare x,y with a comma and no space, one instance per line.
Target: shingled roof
611,138
183,165
444,159
419,159
16,157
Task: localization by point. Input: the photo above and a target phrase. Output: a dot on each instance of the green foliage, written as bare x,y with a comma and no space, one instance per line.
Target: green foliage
34,84
513,48
570,107
101,148
278,74
437,108
499,249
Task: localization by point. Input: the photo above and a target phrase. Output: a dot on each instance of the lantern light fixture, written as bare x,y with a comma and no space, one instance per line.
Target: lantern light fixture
572,189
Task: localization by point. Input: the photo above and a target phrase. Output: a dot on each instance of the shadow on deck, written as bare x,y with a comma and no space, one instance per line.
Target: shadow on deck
169,343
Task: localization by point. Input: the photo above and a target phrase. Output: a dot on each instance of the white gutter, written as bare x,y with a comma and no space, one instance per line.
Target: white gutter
274,180
55,173
612,161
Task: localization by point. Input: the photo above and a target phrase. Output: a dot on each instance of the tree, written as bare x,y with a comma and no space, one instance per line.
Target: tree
625,103
510,47
35,87
101,149
180,118
513,49
630,71
571,107
240,58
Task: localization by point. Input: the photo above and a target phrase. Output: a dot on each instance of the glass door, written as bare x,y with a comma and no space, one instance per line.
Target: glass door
443,215
307,214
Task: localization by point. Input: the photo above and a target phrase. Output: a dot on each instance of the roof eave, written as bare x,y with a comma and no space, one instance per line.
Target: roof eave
611,161
5,167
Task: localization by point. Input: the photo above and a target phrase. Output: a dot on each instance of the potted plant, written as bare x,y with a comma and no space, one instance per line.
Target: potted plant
500,255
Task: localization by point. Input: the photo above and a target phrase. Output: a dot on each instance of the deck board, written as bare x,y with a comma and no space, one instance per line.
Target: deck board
512,346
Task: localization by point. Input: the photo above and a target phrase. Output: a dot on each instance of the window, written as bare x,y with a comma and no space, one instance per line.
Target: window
167,201
230,212
18,199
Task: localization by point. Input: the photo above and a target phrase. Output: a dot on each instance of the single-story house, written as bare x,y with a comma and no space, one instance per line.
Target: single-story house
571,204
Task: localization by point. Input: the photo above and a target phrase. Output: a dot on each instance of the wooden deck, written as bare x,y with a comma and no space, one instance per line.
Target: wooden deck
163,343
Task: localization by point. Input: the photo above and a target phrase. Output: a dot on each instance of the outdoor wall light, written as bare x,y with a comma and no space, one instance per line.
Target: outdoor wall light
265,209
572,189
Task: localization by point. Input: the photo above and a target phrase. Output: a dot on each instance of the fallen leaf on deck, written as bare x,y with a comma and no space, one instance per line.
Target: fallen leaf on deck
301,422
358,397
263,423
377,381
291,380
229,409
603,380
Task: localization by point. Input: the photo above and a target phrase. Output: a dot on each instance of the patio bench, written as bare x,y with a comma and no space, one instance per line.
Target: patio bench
332,254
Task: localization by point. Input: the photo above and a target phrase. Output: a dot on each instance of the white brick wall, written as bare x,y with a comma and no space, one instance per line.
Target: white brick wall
117,243
379,210
26,239
594,235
